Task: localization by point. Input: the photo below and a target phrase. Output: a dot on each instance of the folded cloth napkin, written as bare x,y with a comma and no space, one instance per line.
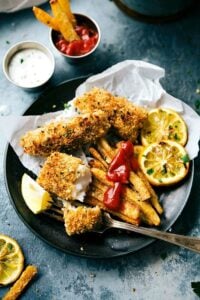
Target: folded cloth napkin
9,6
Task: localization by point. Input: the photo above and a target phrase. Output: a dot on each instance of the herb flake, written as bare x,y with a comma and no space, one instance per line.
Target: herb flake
21,61
196,288
10,247
185,159
150,171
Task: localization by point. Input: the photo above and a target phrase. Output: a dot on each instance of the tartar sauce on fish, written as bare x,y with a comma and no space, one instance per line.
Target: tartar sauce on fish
29,67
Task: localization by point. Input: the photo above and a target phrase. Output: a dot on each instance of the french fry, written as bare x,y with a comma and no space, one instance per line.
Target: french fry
129,194
16,290
101,176
154,198
109,150
65,5
132,218
64,24
139,186
94,163
96,183
104,154
96,155
45,18
106,151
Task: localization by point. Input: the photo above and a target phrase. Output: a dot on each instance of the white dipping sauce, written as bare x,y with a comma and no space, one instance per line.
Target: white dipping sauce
29,67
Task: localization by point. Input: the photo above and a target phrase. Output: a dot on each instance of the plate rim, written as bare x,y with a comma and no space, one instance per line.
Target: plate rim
83,254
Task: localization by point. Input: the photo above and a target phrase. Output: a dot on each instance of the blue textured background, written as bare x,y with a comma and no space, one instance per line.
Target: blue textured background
160,271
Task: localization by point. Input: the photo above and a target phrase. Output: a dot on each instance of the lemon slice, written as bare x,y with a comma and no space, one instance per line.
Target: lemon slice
35,197
164,163
11,260
164,124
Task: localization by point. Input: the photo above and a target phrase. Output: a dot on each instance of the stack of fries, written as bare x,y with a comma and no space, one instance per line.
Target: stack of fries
139,201
62,20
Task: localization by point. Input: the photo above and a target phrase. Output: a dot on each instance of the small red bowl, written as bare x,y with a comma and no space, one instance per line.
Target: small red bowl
81,19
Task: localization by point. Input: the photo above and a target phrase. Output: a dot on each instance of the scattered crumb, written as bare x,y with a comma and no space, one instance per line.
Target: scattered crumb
54,106
81,248
197,91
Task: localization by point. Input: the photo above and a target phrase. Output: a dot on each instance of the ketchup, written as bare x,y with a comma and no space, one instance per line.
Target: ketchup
119,172
88,40
112,196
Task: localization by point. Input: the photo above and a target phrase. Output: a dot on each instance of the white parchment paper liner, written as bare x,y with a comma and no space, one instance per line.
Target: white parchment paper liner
136,80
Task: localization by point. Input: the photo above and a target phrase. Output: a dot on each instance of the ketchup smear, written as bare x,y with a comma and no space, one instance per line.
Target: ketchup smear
89,38
119,172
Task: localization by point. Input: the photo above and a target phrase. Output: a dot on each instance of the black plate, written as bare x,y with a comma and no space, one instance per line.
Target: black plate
110,244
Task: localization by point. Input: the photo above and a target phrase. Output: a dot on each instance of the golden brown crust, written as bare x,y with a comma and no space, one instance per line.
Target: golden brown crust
95,99
16,290
81,219
70,134
59,174
126,118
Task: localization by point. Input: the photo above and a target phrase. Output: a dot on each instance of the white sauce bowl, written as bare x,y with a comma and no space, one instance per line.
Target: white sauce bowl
28,65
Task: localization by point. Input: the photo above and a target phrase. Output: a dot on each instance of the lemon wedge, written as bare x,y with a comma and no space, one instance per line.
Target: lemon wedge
164,163
35,197
11,260
164,124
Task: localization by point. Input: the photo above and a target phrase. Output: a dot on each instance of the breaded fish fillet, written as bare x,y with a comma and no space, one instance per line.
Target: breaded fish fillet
126,118
65,176
96,99
81,219
70,134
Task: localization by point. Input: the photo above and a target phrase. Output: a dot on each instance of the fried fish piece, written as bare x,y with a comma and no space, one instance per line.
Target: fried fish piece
126,118
69,134
95,99
81,219
65,176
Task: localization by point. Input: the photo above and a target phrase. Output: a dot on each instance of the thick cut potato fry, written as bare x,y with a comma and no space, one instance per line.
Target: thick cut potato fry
139,186
64,24
45,18
65,5
18,287
154,198
147,210
94,163
96,155
130,219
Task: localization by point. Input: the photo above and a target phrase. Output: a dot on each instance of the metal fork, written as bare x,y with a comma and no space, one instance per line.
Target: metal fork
191,243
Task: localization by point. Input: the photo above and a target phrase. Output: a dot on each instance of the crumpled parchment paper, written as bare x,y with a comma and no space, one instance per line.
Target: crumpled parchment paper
136,80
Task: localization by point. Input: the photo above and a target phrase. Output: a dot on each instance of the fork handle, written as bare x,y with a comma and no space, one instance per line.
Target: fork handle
191,243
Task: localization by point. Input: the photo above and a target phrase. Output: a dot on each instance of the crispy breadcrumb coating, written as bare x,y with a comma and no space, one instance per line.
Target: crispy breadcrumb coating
129,119
126,118
70,134
95,99
81,219
60,174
